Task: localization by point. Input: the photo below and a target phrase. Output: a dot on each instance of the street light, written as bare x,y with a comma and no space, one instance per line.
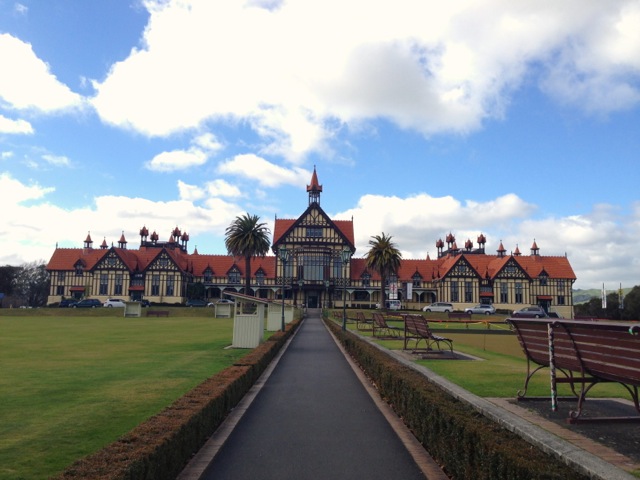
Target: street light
346,255
284,255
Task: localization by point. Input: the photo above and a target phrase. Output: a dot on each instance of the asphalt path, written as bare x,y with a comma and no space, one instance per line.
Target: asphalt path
313,419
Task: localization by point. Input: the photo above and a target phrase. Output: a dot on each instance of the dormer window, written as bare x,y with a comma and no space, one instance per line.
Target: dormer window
366,279
417,279
234,276
208,275
260,277
79,268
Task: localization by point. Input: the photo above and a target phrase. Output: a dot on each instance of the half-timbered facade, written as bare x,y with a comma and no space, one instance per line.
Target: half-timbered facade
313,262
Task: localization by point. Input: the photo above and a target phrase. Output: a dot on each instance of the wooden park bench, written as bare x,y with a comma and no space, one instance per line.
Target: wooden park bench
362,322
382,329
157,313
417,329
586,353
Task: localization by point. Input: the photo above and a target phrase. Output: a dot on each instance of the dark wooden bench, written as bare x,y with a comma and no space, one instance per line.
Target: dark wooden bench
157,313
362,322
586,353
382,329
461,317
416,328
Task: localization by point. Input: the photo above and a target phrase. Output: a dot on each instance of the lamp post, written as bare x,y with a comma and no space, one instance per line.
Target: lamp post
346,255
284,255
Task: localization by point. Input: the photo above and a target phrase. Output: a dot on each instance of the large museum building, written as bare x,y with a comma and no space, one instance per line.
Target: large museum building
313,257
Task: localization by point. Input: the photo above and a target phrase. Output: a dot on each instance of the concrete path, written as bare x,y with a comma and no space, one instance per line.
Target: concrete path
312,418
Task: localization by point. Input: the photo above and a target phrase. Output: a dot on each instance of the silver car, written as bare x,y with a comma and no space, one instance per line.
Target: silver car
438,307
114,302
481,309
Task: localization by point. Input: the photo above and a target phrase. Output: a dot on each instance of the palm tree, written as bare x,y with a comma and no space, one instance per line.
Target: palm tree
384,258
247,238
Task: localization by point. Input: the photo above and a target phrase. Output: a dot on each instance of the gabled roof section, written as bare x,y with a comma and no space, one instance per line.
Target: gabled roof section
283,227
66,258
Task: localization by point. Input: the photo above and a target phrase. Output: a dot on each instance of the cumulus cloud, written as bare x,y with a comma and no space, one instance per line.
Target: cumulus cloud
599,245
31,227
423,65
263,172
202,147
8,125
29,83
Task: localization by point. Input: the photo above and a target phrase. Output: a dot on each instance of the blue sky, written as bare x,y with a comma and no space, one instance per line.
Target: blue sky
518,120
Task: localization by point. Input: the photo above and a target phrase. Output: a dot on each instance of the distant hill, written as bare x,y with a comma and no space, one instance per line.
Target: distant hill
582,296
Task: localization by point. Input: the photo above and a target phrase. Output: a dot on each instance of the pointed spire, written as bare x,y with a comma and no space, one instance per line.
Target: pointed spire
314,189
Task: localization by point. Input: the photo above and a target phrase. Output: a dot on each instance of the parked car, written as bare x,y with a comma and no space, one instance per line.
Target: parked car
67,303
534,311
145,303
438,307
88,303
391,305
114,302
196,302
224,300
483,309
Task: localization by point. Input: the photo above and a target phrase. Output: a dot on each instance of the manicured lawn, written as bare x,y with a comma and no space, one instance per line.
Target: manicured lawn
72,382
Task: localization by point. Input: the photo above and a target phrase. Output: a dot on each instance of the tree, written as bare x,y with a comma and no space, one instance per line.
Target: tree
7,276
31,284
247,238
384,258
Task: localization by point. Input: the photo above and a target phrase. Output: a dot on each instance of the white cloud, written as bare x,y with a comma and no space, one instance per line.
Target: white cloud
29,84
7,125
202,147
424,65
264,172
56,160
189,193
177,160
222,188
600,245
31,227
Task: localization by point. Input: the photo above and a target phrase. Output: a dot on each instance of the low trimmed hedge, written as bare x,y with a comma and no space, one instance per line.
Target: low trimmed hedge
160,447
467,444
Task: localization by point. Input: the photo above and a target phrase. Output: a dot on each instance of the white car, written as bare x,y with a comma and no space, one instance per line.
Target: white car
438,307
114,302
482,309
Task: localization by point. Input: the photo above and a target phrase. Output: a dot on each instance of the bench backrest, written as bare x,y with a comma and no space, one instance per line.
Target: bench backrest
607,350
417,325
379,320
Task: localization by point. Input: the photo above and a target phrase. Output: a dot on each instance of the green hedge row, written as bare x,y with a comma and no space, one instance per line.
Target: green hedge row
467,444
160,447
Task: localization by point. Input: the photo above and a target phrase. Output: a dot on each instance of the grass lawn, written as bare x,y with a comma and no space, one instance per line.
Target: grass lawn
74,381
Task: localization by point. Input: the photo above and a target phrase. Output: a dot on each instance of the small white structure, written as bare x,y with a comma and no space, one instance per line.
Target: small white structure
132,309
223,310
274,315
248,328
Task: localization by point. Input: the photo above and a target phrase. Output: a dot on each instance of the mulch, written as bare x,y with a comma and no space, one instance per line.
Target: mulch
624,437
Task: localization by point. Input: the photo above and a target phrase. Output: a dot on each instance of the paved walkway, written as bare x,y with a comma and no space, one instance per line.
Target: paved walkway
312,418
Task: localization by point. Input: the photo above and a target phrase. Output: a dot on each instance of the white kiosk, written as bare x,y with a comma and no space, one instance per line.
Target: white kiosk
274,315
248,323
132,309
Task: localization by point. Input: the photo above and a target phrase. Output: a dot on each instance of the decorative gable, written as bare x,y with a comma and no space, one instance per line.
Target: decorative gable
111,261
163,262
511,269
462,268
